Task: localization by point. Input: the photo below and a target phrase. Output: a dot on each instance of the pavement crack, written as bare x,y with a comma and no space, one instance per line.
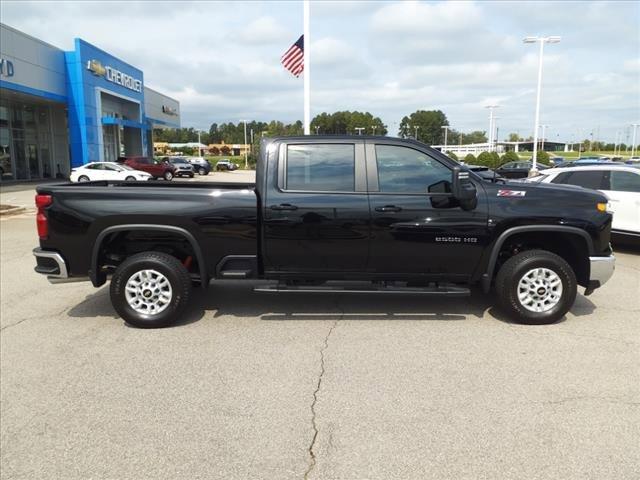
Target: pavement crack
314,424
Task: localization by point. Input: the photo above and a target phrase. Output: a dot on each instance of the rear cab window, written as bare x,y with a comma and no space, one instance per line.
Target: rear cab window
320,167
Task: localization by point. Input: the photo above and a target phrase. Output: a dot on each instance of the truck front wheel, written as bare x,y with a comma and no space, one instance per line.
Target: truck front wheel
150,289
536,287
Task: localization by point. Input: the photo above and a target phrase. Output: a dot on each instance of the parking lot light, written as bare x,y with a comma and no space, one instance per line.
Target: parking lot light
541,41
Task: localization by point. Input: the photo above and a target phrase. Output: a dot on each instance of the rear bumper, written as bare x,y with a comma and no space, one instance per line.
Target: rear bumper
601,270
53,265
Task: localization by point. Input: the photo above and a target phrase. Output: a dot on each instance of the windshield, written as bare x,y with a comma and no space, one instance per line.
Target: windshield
537,178
126,167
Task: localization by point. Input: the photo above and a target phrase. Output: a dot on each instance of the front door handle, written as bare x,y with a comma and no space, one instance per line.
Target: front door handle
283,206
388,208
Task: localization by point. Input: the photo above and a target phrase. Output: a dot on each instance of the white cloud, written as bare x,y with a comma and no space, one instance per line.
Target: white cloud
261,31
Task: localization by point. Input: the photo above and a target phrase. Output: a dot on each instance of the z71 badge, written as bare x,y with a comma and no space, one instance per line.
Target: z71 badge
511,193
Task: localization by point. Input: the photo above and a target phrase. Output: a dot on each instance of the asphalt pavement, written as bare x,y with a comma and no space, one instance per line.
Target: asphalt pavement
259,386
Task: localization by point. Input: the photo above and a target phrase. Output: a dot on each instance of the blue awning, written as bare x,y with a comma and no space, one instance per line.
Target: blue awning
123,122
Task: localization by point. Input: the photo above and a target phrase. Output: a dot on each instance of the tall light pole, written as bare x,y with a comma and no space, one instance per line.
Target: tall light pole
446,129
418,126
491,125
359,129
544,132
317,127
373,128
541,41
633,141
246,161
199,143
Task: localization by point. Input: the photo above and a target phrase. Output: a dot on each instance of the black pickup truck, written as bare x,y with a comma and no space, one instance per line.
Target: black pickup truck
330,214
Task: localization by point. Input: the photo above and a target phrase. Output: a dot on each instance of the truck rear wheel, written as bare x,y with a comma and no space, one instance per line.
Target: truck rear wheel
150,290
536,287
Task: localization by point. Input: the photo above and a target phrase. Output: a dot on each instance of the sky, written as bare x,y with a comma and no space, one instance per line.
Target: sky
221,59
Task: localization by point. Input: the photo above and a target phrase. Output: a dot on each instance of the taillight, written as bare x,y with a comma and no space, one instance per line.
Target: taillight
42,201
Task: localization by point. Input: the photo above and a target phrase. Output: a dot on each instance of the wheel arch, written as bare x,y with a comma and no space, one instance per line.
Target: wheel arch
97,279
510,233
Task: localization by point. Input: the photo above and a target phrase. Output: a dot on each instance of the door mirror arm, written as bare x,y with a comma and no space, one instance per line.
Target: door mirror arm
463,189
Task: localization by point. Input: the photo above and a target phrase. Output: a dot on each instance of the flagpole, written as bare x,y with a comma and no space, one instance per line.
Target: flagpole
307,70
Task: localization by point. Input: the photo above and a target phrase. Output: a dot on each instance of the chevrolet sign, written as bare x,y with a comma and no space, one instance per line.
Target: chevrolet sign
114,76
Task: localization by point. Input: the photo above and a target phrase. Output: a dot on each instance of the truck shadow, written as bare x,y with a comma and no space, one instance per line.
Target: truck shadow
237,299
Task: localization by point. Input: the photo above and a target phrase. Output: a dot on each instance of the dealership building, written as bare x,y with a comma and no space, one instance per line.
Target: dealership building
60,109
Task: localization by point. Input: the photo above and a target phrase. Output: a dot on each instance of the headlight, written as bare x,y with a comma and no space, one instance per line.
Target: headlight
604,207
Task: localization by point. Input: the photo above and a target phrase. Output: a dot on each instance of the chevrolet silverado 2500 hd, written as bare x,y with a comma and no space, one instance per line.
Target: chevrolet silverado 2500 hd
326,214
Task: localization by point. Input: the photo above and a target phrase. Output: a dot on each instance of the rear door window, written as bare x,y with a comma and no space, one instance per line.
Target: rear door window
593,179
624,182
321,167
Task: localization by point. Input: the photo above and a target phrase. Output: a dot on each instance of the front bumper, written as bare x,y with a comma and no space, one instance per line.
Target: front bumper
601,270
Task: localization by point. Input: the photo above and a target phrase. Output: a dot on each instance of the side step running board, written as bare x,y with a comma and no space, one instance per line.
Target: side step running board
448,290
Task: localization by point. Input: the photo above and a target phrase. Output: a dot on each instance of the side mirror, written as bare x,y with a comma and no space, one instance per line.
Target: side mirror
463,189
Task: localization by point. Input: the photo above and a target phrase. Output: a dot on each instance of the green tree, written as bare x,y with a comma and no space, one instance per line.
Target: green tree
214,151
429,125
514,137
452,155
470,159
346,123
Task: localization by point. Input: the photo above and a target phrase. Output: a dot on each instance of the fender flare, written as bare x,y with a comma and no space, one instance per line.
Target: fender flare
493,258
93,272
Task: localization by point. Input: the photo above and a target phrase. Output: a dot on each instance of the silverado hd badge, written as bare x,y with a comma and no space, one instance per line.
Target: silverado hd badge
511,193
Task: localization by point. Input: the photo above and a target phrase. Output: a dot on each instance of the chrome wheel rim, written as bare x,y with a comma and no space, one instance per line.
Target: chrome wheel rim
148,292
168,175
539,290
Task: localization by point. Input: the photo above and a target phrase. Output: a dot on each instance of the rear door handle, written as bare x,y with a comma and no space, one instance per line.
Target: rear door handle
283,206
388,208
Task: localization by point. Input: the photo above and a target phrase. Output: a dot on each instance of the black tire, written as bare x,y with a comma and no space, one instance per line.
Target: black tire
202,171
514,269
191,175
130,179
171,268
83,178
168,176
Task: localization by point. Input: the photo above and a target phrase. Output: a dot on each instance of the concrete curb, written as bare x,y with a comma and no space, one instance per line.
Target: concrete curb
9,210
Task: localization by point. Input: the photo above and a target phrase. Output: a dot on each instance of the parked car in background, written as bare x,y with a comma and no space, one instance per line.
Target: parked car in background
620,183
200,165
633,161
485,173
156,168
556,160
519,169
182,167
106,171
226,165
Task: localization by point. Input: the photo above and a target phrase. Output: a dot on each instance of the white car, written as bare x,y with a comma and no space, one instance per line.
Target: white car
106,171
620,183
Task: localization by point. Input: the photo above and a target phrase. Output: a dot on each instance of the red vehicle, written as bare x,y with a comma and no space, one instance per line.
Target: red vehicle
150,165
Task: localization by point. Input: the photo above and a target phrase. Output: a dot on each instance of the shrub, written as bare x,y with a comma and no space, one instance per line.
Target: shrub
543,156
470,159
485,159
510,157
452,155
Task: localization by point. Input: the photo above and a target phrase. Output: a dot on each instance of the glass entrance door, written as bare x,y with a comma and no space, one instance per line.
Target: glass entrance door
110,139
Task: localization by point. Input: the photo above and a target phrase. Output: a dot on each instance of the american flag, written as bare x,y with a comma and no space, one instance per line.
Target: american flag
293,59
